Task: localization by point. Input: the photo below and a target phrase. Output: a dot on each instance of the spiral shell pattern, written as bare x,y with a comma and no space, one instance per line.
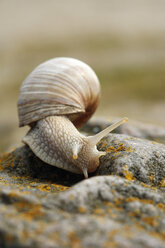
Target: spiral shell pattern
60,86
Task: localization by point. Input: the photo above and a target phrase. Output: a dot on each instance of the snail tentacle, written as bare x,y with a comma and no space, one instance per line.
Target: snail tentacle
97,137
76,149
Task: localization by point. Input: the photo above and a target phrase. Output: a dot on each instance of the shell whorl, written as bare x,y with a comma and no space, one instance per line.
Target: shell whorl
60,86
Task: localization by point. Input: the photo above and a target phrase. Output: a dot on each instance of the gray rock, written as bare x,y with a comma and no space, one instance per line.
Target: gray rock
133,158
104,211
45,207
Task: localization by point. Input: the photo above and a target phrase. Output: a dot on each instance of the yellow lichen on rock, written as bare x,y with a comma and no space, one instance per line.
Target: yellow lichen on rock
150,220
75,241
82,210
29,211
161,206
45,188
60,187
128,175
145,201
162,183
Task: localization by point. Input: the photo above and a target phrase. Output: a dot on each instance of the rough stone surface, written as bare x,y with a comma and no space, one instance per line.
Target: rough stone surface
121,205
134,158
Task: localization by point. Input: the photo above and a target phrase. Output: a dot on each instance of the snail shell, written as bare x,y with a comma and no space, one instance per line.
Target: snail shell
57,96
60,86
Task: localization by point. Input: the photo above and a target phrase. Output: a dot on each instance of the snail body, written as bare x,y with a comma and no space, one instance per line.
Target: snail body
56,98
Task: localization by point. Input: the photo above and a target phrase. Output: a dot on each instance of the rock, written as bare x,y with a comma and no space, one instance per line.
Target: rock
113,212
121,205
133,158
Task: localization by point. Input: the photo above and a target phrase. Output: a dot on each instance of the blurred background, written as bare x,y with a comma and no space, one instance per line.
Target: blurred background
123,41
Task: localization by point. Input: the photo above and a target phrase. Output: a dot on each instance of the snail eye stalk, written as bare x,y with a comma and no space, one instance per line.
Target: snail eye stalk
97,137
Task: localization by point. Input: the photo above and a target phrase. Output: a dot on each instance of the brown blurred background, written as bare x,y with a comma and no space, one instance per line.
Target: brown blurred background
123,41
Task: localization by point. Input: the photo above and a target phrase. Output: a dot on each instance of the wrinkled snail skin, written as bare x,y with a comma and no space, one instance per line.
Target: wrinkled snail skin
58,96
56,141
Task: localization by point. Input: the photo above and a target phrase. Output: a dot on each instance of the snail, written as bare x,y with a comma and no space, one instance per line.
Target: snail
55,99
